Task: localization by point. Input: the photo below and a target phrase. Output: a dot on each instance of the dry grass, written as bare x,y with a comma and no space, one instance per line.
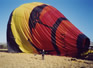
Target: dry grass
23,60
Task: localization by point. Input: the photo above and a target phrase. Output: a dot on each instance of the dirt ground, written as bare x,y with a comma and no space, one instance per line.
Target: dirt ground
24,60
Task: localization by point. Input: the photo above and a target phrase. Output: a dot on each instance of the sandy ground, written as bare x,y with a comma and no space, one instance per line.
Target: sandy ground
23,60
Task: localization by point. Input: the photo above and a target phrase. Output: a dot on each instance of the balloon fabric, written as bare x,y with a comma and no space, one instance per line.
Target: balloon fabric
36,26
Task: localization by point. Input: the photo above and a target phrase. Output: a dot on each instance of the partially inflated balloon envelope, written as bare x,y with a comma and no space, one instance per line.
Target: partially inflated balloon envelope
34,27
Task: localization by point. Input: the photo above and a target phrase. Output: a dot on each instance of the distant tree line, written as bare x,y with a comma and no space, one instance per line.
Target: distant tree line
3,46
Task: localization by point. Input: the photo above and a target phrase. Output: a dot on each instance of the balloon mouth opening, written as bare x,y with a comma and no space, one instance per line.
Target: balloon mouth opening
86,43
83,43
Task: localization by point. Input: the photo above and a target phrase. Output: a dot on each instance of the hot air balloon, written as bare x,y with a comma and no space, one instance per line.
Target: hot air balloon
36,26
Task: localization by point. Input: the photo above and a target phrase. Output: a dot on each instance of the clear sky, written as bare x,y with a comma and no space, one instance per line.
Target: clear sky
78,12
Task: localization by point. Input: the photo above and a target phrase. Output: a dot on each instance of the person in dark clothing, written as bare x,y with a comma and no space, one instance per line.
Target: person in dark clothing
43,53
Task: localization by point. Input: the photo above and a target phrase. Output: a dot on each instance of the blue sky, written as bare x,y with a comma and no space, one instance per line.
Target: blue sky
78,12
